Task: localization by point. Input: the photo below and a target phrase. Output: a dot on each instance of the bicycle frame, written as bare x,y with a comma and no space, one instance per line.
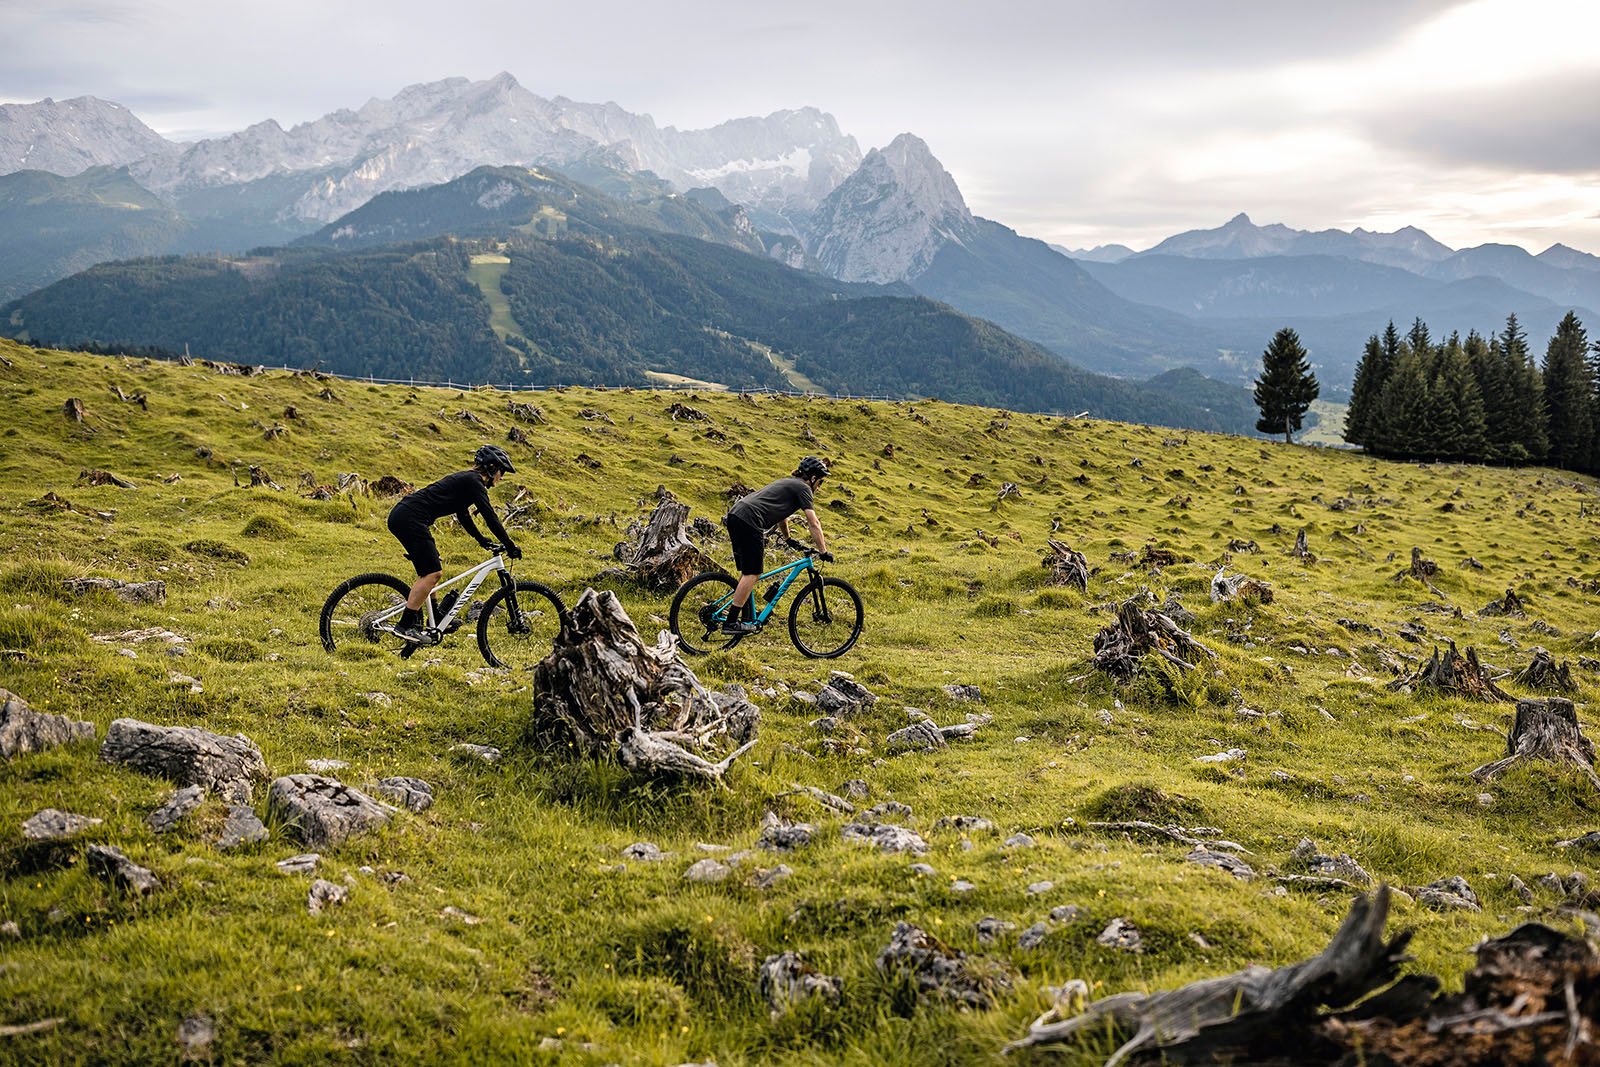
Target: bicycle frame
791,571
473,576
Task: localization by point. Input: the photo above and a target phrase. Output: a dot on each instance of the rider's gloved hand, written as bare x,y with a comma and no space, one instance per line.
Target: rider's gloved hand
826,557
488,545
513,552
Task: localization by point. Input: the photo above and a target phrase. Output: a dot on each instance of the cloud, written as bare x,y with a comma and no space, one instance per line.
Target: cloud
1550,125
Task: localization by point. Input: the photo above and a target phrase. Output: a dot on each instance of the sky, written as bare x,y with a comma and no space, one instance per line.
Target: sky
1073,122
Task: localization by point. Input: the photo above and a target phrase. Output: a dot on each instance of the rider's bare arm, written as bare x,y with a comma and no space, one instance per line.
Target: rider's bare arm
816,531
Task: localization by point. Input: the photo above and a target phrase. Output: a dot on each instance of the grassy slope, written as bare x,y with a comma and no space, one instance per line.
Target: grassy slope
651,969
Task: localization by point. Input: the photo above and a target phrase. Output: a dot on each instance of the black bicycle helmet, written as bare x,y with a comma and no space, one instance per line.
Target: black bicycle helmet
493,458
810,467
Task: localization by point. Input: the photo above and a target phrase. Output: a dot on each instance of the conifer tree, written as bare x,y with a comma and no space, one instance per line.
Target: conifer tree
1526,401
1569,395
1402,420
1488,370
1371,373
1462,427
1286,387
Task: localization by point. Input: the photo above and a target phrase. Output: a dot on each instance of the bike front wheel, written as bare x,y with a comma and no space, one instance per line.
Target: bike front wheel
519,625
356,609
698,609
825,619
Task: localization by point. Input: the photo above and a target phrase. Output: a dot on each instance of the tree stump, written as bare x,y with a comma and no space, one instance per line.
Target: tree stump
1531,998
1544,673
73,409
1119,648
662,555
1423,570
389,485
1066,566
1455,674
604,692
1301,550
1238,587
531,414
1548,730
1508,606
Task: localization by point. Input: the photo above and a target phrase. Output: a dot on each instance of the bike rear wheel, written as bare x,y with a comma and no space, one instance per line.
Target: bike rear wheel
350,617
519,625
825,619
696,616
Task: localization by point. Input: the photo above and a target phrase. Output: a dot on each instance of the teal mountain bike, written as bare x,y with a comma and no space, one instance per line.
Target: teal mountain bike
824,619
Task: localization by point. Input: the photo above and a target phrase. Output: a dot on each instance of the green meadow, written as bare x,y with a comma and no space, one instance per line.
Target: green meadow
574,954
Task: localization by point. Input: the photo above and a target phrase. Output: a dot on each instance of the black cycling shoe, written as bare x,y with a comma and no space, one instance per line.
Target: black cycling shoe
413,634
739,626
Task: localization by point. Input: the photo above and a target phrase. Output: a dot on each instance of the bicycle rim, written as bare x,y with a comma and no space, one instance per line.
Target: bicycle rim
696,617
825,619
352,616
519,627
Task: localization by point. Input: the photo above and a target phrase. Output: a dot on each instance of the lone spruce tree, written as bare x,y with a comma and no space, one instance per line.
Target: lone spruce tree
1286,387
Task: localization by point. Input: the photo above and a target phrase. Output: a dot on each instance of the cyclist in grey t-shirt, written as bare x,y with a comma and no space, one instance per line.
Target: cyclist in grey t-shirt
749,520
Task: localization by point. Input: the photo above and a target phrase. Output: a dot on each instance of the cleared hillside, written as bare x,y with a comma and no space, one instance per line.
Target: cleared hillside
573,952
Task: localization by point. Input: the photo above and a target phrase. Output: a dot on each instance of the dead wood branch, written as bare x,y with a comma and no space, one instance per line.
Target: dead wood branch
1238,587
1531,998
100,477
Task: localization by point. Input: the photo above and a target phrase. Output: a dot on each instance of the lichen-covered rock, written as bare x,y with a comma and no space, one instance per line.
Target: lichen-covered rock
23,730
324,894
1121,934
179,804
111,865
1452,892
707,871
152,592
187,755
918,737
941,971
844,696
412,794
887,837
787,979
241,828
779,836
319,811
1222,860
52,825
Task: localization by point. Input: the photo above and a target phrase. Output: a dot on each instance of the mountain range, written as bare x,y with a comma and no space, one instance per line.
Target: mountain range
83,181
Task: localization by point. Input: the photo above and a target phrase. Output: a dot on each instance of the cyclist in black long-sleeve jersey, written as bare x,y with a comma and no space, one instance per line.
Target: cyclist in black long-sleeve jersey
454,494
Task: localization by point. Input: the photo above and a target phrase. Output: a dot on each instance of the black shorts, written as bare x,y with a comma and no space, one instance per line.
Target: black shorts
749,544
415,537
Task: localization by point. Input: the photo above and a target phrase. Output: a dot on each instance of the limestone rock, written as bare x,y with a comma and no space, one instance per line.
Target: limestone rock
886,836
486,753
324,894
991,929
918,737
179,804
111,865
644,850
1121,934
962,692
941,971
785,837
23,730
52,825
153,592
323,811
707,871
1223,860
1452,892
241,828
844,696
305,863
786,979
412,794
186,755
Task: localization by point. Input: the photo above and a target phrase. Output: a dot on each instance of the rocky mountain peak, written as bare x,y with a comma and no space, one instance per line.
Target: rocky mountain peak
67,137
888,220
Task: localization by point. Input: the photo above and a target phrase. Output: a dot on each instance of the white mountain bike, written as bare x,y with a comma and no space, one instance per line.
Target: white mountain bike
517,624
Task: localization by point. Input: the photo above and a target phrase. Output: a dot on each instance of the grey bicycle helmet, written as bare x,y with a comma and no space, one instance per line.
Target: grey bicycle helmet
811,467
492,458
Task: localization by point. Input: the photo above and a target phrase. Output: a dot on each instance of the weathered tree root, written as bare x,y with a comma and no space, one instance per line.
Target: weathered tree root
1532,998
1423,571
1543,672
1067,566
1546,730
1226,586
1119,648
661,553
1453,673
603,691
